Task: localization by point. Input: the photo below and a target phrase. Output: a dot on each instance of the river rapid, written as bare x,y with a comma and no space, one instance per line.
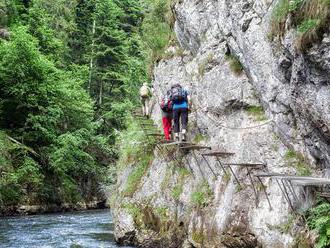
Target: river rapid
80,229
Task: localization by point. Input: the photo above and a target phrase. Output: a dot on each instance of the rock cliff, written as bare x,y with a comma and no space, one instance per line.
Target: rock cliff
274,110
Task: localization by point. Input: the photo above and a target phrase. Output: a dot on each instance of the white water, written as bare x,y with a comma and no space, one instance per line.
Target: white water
81,229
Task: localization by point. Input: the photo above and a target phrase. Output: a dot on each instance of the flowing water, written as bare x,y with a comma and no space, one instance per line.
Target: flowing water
69,230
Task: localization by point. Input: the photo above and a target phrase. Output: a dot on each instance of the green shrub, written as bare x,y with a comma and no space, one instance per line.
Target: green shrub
132,144
162,212
257,112
298,162
177,191
319,220
307,25
310,17
139,170
198,237
201,197
157,31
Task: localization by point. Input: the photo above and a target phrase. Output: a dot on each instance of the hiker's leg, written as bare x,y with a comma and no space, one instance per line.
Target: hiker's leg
166,127
170,119
184,119
147,102
143,106
176,119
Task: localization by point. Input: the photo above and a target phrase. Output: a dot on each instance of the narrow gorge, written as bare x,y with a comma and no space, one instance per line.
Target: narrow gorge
259,81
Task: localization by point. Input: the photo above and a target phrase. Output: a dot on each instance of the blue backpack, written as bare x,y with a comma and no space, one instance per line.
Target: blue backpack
178,94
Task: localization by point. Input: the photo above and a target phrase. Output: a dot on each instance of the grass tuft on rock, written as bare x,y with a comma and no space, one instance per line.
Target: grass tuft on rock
234,64
136,151
177,190
309,17
198,237
202,196
257,112
298,162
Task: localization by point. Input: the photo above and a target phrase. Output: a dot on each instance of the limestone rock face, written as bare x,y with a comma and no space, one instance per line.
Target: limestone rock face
293,90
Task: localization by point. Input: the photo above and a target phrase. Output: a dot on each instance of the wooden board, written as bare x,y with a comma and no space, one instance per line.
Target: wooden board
177,143
218,153
246,164
195,147
270,174
293,177
310,182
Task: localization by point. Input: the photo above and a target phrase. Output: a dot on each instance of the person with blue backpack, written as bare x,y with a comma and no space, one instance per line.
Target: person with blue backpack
181,102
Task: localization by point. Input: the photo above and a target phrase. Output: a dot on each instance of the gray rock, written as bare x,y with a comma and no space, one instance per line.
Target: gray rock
291,87
4,34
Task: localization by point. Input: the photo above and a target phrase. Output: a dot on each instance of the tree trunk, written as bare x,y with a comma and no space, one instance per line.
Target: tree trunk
92,60
100,93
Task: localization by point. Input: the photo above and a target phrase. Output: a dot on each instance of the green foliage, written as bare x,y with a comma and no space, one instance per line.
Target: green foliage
298,162
295,5
201,197
177,191
319,220
311,19
235,65
198,237
162,212
288,225
156,30
133,143
65,113
136,175
20,179
307,25
226,177
257,112
135,149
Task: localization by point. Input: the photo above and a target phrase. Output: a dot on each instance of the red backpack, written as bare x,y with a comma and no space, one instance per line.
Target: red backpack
166,104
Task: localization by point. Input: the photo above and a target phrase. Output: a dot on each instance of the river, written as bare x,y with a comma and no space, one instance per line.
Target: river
69,230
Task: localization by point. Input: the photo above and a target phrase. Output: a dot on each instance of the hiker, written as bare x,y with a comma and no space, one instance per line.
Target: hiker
181,103
167,114
145,94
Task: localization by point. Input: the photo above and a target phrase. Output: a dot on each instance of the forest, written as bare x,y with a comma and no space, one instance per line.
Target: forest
69,76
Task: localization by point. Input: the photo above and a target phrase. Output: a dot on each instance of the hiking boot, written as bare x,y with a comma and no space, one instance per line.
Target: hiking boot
183,135
176,137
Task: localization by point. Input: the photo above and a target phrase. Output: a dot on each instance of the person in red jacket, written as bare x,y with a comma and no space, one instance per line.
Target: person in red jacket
167,115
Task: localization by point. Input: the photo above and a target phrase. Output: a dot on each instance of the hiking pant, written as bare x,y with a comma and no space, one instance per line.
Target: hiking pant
145,105
167,126
177,115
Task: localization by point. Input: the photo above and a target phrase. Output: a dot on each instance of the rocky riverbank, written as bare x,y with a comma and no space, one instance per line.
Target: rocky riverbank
52,208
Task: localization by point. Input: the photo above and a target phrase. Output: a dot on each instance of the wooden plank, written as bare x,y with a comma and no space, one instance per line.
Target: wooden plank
270,174
246,164
218,153
177,143
310,182
195,147
293,177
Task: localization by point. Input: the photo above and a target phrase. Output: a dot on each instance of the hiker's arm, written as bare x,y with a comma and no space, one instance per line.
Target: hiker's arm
189,101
